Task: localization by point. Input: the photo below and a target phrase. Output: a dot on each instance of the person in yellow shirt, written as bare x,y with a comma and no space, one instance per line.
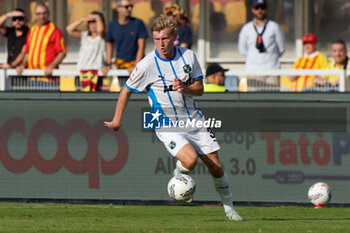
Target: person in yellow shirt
340,61
312,59
215,78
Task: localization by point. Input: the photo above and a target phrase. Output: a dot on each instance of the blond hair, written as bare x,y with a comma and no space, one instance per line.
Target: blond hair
163,22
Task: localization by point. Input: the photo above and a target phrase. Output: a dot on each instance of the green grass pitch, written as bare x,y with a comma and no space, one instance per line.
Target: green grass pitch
33,217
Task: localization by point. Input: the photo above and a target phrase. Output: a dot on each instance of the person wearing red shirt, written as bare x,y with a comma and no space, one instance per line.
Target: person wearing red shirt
45,46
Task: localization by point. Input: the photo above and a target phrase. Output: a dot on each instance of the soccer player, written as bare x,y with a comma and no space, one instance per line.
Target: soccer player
171,75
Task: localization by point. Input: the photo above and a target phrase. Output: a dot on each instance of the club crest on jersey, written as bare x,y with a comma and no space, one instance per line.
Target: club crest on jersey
172,145
187,68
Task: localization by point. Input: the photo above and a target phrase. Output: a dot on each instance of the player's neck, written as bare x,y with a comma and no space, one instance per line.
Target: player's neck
166,55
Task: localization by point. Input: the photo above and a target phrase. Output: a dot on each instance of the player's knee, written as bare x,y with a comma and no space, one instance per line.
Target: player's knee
190,163
216,170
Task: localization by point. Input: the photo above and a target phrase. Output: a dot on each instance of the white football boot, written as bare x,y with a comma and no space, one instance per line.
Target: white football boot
232,215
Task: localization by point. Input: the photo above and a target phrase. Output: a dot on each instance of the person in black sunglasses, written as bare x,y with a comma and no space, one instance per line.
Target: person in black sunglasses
262,43
16,37
126,36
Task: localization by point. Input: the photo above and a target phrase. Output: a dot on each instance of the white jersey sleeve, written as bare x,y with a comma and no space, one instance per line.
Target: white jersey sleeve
197,73
137,81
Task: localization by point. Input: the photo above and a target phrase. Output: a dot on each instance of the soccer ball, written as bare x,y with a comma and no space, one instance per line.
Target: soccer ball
181,187
319,194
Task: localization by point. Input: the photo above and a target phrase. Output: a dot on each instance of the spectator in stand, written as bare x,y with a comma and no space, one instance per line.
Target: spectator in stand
16,37
183,30
92,49
215,78
128,35
157,8
45,48
262,42
340,61
312,59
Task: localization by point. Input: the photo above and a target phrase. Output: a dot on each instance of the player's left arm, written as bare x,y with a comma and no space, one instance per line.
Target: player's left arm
195,89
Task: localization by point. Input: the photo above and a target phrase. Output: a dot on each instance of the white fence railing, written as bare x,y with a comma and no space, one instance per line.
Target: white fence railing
62,72
343,81
5,76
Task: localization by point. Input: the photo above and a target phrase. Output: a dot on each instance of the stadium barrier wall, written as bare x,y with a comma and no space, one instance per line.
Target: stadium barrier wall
344,83
20,85
55,146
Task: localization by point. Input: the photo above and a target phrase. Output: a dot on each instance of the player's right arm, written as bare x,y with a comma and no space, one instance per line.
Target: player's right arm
137,82
123,100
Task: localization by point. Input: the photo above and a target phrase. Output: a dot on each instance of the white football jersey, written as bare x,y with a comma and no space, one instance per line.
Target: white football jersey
156,75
